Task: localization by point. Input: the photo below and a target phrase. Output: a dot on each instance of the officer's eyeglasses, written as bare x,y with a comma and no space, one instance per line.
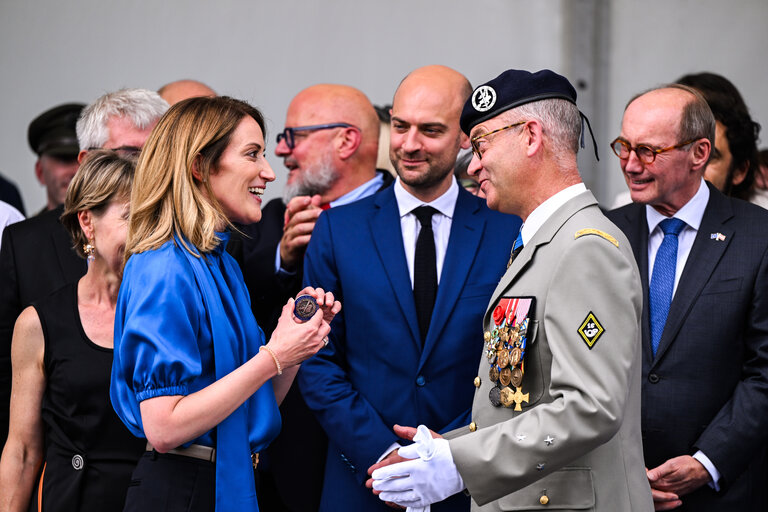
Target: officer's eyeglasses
476,141
645,153
289,134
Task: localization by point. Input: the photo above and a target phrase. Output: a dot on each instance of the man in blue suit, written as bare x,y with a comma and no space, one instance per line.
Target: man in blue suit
414,266
705,320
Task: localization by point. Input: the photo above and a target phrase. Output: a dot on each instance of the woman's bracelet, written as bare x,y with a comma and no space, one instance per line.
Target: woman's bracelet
277,361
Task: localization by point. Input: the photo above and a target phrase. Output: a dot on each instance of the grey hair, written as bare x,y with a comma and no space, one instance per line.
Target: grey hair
142,106
559,118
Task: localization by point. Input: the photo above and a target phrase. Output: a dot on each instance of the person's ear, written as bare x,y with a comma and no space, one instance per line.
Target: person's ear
85,218
700,154
348,141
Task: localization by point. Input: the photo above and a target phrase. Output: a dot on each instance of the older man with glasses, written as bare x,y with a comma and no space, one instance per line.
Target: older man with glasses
329,146
703,260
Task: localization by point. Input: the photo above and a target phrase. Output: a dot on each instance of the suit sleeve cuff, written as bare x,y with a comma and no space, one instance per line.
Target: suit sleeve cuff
711,469
393,446
279,270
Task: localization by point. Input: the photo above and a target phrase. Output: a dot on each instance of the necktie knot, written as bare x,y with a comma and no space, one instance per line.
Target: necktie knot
518,246
424,214
672,226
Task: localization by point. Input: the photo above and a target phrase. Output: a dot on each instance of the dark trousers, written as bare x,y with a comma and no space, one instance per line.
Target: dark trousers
171,483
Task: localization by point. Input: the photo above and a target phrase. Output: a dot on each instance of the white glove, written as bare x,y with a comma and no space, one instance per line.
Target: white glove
423,481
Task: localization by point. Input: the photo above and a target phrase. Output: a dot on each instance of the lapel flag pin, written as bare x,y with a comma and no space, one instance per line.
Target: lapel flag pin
717,236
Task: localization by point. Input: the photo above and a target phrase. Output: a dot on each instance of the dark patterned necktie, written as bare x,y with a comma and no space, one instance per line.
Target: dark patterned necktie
425,270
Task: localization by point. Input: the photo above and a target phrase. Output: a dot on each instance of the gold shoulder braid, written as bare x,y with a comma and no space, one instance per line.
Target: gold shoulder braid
601,234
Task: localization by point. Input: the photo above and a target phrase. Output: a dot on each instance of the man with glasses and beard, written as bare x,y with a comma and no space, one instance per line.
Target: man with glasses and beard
329,146
415,266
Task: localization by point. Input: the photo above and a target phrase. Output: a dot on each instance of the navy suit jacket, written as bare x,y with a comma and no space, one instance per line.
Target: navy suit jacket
36,259
374,372
707,387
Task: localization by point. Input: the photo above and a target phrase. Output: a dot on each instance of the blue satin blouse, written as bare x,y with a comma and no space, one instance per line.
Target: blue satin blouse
181,323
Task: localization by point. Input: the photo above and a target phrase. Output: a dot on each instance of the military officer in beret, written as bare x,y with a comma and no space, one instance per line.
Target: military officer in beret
52,137
556,413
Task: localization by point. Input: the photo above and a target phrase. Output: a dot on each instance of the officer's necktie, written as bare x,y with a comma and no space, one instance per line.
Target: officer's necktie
516,248
425,270
663,279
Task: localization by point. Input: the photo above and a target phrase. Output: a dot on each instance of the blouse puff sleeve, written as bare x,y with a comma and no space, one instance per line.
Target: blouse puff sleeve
158,347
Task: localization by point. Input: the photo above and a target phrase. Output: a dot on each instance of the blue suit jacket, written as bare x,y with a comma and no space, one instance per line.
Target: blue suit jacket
707,387
374,372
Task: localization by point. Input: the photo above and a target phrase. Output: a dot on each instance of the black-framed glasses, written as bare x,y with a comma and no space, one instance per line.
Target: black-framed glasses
289,134
123,151
475,141
645,153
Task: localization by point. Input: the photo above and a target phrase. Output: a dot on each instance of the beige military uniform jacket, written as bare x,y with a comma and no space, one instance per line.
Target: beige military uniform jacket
576,443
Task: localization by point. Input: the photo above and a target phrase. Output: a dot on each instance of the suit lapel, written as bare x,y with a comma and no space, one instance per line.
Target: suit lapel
463,244
702,260
543,236
388,238
638,239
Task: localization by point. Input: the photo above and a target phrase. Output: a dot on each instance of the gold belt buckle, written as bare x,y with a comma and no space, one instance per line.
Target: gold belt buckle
255,460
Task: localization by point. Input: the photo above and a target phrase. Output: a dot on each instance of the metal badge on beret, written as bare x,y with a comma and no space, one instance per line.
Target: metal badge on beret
304,307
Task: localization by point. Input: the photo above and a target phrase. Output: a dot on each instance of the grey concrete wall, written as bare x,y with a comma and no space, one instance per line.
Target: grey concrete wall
54,52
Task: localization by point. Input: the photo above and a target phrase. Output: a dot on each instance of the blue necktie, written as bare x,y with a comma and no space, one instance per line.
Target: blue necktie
663,279
516,248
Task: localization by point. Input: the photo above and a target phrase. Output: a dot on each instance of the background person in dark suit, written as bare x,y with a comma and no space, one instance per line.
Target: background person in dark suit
396,356
705,320
329,147
36,257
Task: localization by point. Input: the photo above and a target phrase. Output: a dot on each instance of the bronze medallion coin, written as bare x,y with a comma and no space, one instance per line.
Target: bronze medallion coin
493,374
505,376
517,377
503,358
506,397
514,356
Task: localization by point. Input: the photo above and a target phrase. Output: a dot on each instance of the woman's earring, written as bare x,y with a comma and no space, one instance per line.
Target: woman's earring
90,251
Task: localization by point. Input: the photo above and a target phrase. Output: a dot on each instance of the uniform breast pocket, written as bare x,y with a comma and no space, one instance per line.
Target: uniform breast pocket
564,490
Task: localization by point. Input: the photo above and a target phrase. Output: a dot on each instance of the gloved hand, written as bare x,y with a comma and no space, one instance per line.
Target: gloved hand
423,481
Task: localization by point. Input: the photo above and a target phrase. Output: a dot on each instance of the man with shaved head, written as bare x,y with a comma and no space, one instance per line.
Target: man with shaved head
414,266
179,90
329,146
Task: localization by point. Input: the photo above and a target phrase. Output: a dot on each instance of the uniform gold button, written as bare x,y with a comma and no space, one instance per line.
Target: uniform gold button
472,426
487,335
477,382
544,500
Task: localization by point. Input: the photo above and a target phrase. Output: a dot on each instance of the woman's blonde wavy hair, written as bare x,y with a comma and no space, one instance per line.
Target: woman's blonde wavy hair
167,201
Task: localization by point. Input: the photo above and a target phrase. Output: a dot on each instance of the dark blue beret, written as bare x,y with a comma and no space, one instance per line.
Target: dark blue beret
511,89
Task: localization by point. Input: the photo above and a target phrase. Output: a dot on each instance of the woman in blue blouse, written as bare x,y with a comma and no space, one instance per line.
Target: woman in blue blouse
192,373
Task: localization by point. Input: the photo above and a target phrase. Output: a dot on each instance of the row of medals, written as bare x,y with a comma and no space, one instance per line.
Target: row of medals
505,348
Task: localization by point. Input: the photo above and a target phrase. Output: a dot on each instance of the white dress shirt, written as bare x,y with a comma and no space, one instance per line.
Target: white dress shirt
544,211
441,222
